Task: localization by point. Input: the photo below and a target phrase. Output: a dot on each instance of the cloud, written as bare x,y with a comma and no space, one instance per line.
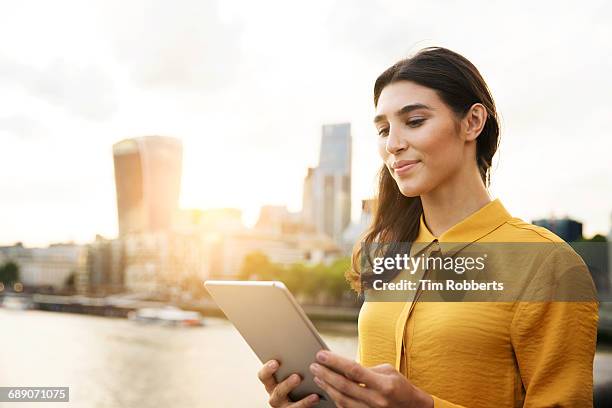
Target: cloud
21,126
252,82
182,45
82,89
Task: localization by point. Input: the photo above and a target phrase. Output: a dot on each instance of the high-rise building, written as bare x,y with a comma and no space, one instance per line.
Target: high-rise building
354,231
327,188
335,154
105,265
147,179
566,228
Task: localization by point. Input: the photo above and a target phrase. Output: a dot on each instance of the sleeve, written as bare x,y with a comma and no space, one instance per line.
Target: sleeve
440,403
554,335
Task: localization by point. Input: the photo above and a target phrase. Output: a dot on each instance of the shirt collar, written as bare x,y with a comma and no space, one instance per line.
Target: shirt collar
472,228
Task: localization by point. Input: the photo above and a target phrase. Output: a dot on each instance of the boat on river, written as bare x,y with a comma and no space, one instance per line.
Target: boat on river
166,315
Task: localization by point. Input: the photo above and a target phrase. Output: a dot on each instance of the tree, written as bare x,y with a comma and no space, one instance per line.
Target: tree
294,277
336,284
70,280
595,238
316,283
9,273
257,265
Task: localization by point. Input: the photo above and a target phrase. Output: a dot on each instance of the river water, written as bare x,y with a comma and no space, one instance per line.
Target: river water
112,362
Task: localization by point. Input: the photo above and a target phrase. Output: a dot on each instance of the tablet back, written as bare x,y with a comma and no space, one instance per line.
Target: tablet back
275,327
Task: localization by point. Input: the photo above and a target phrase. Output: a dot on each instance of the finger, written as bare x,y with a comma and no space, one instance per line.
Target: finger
349,368
282,389
266,375
383,368
339,398
345,386
306,402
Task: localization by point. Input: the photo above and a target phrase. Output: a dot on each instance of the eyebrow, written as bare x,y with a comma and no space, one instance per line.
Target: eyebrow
402,111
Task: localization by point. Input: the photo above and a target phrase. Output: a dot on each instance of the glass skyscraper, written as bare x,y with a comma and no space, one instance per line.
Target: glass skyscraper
327,187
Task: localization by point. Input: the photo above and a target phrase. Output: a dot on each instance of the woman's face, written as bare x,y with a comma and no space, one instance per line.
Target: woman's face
419,138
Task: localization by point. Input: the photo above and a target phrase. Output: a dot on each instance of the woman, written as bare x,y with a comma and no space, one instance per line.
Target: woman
438,132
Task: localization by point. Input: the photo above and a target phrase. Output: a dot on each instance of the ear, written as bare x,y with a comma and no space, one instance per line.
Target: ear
474,121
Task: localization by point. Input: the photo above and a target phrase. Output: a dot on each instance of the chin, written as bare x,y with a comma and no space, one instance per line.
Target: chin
410,190
413,185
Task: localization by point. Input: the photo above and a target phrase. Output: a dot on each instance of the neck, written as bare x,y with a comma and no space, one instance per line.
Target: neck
453,201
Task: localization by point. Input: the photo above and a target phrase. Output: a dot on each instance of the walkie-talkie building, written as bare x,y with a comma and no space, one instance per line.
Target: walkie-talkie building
148,180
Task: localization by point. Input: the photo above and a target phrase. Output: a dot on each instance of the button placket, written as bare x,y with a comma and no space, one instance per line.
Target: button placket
430,251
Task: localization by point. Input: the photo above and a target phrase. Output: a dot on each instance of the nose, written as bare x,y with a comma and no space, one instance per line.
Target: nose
395,142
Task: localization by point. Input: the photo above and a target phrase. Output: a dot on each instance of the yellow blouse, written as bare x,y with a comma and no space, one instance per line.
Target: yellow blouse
488,354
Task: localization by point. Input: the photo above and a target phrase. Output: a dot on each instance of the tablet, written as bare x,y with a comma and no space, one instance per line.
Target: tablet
274,325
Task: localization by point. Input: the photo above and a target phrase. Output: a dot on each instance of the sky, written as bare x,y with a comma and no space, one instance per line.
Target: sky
247,86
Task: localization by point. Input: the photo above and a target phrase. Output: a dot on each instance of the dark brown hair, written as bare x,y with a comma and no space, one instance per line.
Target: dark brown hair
396,217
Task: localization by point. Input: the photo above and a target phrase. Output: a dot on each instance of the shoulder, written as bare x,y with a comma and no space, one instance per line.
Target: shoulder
551,248
523,231
556,269
558,252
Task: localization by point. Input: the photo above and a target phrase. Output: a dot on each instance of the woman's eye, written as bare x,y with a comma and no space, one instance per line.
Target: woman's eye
415,122
383,132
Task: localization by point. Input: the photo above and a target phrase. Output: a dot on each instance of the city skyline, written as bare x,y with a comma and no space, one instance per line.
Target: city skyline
249,104
146,143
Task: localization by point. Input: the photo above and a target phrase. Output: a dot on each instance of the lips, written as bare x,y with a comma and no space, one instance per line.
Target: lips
403,166
402,163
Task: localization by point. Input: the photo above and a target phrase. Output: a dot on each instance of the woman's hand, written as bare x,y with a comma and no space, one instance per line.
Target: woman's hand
279,391
352,385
